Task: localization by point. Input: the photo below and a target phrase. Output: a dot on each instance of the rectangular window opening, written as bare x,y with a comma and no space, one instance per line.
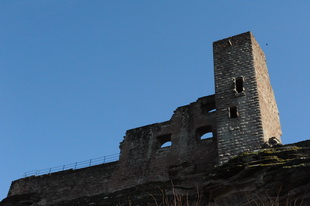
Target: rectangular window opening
233,112
239,84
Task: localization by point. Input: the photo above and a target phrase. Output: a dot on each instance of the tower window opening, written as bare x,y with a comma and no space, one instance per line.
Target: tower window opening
239,84
233,112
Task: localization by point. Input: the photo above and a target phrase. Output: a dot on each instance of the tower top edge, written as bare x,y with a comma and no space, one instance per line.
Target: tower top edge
243,36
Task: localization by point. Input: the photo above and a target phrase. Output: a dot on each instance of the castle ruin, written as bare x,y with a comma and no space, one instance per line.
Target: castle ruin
241,116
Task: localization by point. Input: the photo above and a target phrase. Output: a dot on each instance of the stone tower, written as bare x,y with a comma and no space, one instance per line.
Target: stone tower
247,113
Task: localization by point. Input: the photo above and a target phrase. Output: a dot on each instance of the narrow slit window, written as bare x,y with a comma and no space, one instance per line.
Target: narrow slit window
233,112
239,84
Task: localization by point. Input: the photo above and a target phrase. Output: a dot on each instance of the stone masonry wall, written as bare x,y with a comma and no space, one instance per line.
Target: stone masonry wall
141,151
66,185
267,102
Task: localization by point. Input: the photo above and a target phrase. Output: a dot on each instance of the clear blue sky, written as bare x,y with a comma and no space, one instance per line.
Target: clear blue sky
75,75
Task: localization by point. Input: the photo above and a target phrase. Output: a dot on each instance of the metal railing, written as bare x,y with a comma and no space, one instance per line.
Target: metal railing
74,166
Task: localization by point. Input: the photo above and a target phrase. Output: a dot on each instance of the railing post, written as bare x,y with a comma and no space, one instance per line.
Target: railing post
90,162
63,168
104,159
75,165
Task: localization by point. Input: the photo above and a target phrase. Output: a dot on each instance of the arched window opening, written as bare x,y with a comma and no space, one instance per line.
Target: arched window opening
205,132
166,144
208,107
207,135
165,141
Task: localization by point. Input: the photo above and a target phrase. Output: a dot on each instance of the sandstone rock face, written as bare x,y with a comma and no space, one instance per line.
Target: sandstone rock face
273,176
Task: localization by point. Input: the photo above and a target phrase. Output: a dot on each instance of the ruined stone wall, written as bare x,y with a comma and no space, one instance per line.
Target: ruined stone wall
244,99
141,151
142,159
